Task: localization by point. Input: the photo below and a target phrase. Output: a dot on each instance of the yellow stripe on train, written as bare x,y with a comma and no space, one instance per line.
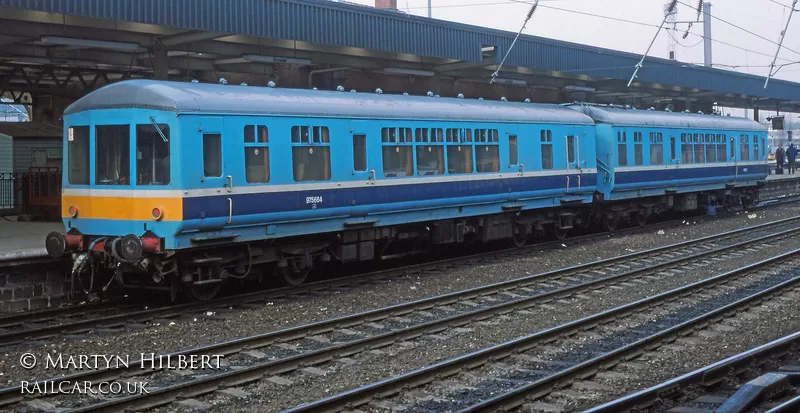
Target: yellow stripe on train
122,208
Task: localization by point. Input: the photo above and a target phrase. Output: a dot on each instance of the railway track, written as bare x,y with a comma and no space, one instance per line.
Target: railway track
584,347
299,347
108,317
763,379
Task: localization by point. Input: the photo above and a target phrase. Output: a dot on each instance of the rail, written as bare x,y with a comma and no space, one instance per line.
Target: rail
510,400
409,332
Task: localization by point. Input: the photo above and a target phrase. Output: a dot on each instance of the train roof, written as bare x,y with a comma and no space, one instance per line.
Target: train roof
185,97
678,120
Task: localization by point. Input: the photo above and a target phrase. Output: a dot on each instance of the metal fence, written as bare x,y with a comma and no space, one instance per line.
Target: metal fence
36,193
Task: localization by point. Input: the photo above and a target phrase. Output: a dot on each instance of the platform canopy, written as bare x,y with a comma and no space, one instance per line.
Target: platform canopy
71,46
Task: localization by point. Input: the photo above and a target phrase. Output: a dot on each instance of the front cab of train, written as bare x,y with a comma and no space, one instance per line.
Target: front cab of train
120,198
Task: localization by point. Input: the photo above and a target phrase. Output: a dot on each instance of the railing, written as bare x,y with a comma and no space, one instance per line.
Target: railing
36,193
10,194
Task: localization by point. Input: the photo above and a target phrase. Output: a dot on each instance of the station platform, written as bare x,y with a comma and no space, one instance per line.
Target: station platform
21,240
785,176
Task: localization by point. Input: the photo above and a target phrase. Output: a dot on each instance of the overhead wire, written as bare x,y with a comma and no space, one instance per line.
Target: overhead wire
742,29
780,4
617,19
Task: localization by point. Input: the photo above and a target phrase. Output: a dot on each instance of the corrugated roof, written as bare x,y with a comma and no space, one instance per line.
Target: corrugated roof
678,120
214,98
339,24
30,129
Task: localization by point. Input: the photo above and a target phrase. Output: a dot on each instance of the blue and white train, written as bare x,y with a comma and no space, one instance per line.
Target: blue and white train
185,185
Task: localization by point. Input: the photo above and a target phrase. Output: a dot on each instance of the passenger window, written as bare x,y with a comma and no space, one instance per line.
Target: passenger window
745,148
398,157
755,148
546,140
397,161
256,154
733,150
513,155
699,153
459,135
638,157
152,155
622,149
459,159
570,149
487,158
360,153
430,160
212,154
310,134
112,155
711,153
721,148
251,137
656,148
78,155
311,153
686,148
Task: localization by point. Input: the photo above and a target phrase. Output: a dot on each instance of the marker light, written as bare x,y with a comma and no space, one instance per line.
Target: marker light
73,211
157,213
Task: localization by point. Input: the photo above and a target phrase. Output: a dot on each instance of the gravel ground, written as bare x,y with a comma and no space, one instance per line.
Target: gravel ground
182,333
760,325
391,361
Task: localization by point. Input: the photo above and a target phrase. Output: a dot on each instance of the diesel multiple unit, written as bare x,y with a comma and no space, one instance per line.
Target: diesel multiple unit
185,185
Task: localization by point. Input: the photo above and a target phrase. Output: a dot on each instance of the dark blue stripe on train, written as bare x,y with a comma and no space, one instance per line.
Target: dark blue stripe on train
273,202
675,174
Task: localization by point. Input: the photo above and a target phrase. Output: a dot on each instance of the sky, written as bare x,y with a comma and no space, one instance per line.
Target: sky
557,19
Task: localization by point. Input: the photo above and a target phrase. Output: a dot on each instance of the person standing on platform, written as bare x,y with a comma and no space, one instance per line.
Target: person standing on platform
791,154
780,158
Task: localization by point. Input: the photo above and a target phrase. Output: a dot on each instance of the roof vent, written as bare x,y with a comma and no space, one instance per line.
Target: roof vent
527,100
461,96
651,108
352,91
379,91
627,106
339,89
271,84
223,81
611,105
699,112
667,110
313,88
430,93
405,93
480,98
436,96
243,84
195,81
504,99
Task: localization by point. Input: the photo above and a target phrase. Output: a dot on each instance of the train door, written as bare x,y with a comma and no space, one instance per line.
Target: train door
573,164
215,176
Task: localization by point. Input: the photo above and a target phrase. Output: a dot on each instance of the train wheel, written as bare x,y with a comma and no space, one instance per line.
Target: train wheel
559,233
519,239
203,292
294,274
641,219
610,223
